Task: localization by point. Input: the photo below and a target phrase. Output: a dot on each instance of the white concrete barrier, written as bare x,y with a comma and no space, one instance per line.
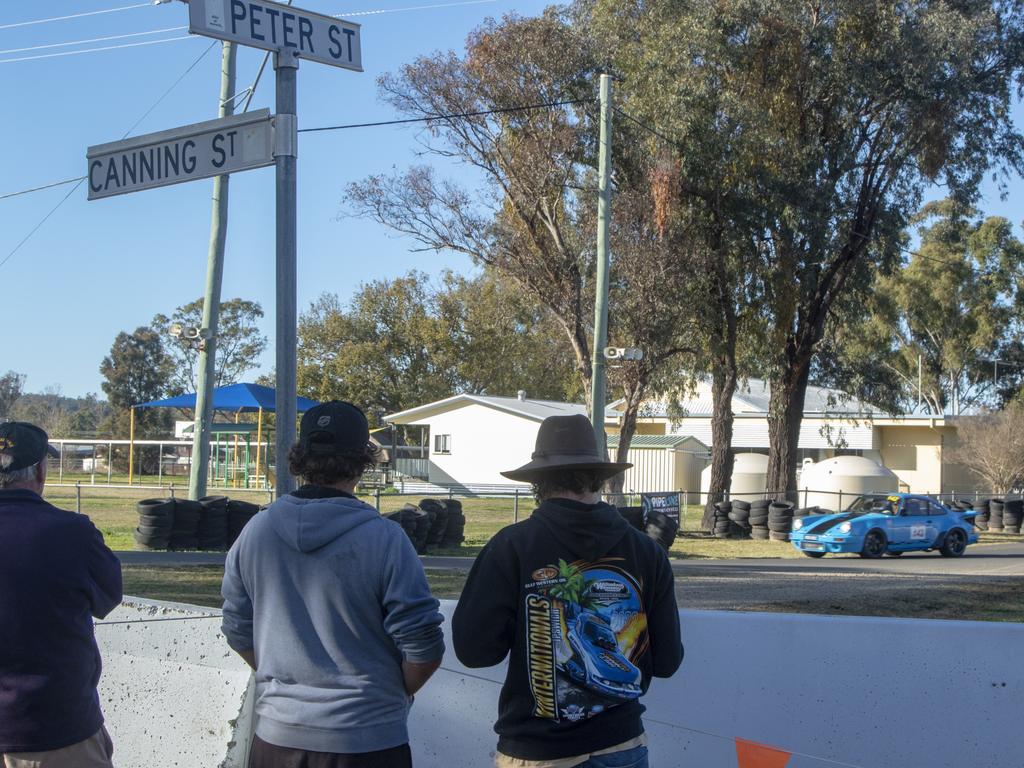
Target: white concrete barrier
172,692
834,691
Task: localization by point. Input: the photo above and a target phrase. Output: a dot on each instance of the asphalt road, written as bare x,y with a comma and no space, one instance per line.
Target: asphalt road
985,560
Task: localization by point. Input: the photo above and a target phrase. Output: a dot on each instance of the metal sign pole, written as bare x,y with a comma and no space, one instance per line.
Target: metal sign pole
286,140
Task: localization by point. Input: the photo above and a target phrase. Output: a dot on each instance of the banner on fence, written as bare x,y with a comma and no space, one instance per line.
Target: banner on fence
666,503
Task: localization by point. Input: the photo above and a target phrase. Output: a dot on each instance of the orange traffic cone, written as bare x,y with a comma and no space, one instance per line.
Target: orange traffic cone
753,755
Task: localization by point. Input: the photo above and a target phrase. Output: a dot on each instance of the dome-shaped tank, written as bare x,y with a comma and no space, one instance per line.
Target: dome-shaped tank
749,474
823,482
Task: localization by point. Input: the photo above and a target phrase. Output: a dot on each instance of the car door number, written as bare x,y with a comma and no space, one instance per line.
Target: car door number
918,531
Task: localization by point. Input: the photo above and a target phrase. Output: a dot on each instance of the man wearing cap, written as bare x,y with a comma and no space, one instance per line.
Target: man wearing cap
328,602
584,607
56,574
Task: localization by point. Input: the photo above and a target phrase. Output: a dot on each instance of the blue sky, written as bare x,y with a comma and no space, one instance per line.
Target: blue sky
96,268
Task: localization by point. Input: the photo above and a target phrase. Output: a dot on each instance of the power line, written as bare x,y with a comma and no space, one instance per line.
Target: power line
646,127
412,8
64,199
74,16
92,40
44,186
94,50
452,116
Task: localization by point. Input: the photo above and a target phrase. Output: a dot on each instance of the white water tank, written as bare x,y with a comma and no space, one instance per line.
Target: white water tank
821,483
749,475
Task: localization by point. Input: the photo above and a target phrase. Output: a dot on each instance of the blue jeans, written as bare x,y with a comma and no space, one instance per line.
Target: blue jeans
628,758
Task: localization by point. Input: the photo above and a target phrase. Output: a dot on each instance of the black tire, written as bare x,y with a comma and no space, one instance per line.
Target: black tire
815,555
778,517
760,503
758,519
661,528
723,508
739,516
155,507
781,506
875,544
152,533
981,525
759,533
893,554
954,544
217,503
740,504
778,536
148,521
806,511
780,527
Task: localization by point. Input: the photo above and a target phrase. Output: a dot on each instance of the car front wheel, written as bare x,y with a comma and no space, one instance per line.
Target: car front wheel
874,545
955,543
813,554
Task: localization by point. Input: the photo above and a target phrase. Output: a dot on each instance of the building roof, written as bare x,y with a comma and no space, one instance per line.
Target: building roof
653,441
535,410
752,399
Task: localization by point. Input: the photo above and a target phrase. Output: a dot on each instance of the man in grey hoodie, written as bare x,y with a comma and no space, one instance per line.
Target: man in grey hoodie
328,603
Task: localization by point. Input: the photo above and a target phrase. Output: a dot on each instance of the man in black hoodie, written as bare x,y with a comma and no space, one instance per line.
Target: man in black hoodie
585,606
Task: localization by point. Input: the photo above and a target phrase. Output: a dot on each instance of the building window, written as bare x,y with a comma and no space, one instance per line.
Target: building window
442,443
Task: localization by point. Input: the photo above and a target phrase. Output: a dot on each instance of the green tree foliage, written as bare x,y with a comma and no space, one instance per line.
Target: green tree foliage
954,306
830,118
404,342
239,343
11,386
61,416
136,371
534,220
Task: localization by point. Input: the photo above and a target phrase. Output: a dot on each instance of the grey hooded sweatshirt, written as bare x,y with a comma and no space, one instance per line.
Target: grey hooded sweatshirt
332,598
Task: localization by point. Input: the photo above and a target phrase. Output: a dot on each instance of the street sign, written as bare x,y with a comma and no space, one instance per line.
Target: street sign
197,151
277,27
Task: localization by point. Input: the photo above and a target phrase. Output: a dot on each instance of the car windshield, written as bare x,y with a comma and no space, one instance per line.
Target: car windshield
882,505
599,635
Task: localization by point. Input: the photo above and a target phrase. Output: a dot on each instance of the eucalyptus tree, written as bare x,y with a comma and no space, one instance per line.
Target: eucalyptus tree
828,120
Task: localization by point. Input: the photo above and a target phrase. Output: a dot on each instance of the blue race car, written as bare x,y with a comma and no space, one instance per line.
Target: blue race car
597,663
876,525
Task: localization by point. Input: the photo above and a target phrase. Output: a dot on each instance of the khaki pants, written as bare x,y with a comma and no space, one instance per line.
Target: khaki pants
94,752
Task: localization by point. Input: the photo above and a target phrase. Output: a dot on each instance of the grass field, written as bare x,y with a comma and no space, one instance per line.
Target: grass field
113,512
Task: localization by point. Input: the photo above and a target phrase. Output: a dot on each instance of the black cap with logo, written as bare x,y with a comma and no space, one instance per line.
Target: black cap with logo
22,445
334,427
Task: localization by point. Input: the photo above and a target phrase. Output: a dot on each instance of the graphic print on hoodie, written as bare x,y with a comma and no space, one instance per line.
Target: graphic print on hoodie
586,625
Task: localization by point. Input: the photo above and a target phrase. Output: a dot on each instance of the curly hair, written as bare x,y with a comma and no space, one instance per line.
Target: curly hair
574,481
331,468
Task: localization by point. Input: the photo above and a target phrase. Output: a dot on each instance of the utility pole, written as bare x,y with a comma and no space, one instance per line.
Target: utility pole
211,299
604,200
286,140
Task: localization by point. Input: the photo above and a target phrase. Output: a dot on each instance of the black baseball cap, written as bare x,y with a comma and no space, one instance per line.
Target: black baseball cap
25,443
334,427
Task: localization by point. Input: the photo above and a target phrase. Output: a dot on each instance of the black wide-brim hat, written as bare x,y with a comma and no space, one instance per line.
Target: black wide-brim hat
565,443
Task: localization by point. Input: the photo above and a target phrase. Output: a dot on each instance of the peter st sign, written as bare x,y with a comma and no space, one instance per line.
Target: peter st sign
197,151
277,27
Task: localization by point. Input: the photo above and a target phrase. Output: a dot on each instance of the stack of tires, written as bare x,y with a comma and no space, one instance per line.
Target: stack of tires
455,530
995,515
963,505
437,510
981,519
213,523
758,519
156,521
723,525
780,520
634,516
239,515
661,528
1013,511
740,518
416,524
185,533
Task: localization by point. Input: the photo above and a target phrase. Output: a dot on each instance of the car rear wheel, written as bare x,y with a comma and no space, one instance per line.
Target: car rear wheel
874,545
955,543
813,554
894,554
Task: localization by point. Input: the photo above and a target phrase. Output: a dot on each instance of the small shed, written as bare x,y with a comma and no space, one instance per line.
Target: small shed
662,462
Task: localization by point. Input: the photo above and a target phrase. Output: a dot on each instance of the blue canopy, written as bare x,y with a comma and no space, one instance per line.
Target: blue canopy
235,397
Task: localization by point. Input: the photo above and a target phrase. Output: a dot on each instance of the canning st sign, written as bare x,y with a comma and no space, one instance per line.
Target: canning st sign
275,27
197,151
